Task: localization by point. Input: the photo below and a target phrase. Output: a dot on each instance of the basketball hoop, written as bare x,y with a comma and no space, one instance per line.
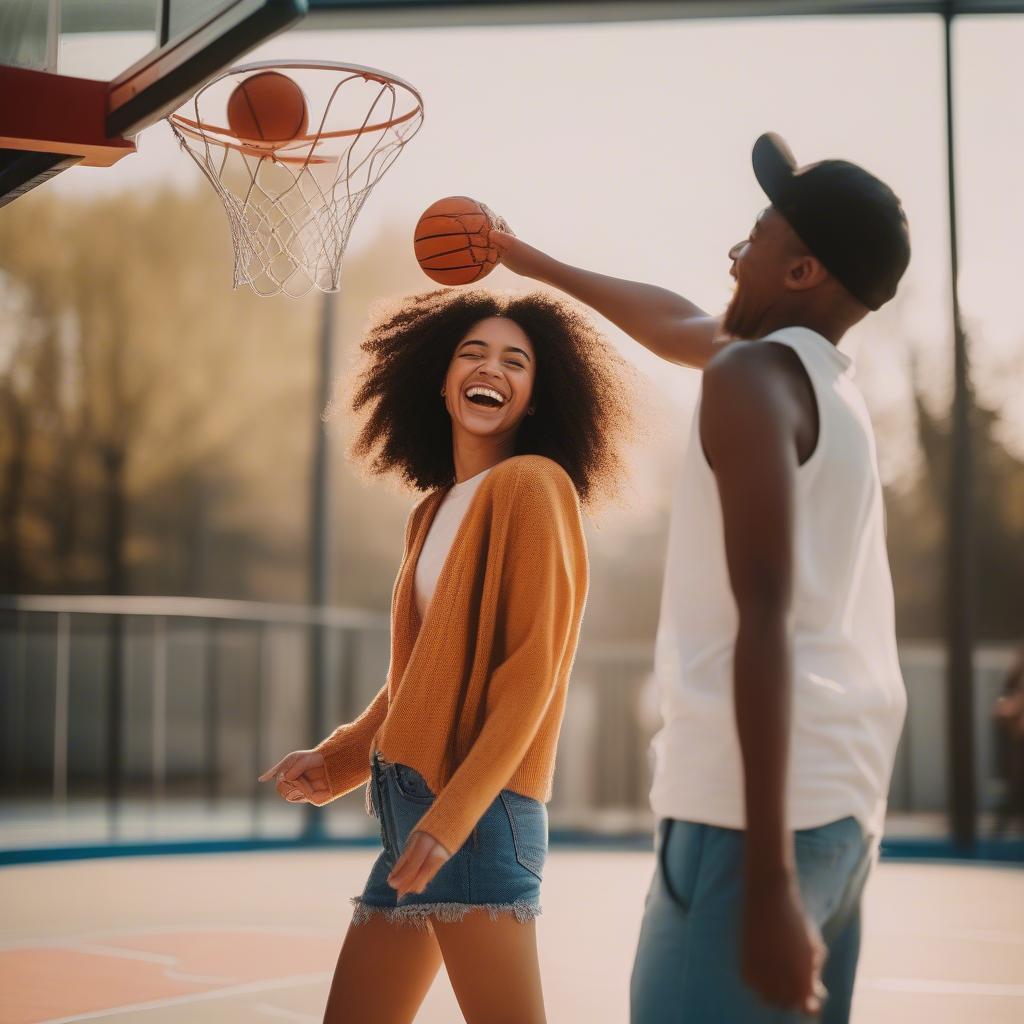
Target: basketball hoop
291,199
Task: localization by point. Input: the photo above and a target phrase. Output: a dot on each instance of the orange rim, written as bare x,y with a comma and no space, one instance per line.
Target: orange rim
318,137
247,147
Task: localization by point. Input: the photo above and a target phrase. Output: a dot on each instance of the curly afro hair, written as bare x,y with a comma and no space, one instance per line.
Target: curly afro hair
581,391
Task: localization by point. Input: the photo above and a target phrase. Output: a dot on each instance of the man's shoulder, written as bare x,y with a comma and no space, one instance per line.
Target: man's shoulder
759,395
751,360
757,371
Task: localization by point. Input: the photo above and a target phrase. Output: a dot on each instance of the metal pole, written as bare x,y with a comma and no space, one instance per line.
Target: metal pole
211,714
960,578
319,550
115,720
19,723
259,689
60,713
159,751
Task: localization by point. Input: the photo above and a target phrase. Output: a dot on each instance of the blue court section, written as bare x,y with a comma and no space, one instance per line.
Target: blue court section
993,851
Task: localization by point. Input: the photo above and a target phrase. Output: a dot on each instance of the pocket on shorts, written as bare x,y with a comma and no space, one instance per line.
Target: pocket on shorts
680,847
529,821
825,859
829,842
411,785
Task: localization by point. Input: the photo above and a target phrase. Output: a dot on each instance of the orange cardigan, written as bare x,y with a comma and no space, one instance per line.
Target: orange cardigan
475,693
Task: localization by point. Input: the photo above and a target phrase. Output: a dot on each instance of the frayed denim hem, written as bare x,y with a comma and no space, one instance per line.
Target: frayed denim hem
419,914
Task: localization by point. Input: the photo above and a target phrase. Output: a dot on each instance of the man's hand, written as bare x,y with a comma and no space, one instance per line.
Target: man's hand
782,952
423,857
515,254
301,777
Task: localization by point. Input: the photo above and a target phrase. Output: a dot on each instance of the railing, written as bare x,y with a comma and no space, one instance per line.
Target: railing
120,704
146,717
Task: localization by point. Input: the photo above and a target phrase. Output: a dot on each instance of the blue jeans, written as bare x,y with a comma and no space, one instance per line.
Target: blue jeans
687,966
498,869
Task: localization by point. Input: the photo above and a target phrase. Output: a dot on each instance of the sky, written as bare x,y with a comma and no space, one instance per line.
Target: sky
625,148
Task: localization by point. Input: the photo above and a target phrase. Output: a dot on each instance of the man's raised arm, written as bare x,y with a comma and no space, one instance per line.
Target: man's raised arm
669,325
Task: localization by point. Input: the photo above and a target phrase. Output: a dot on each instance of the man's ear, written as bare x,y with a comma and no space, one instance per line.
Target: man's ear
804,272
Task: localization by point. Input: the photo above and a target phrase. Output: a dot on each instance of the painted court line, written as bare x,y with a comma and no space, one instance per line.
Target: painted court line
169,963
198,997
976,935
163,929
269,1010
931,987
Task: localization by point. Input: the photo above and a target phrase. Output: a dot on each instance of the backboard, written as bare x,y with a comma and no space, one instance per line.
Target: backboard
52,118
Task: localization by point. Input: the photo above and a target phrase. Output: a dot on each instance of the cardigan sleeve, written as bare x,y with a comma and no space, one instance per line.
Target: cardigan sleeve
543,583
346,751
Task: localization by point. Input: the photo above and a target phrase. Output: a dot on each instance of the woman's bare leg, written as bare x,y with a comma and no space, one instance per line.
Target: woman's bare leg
493,967
383,974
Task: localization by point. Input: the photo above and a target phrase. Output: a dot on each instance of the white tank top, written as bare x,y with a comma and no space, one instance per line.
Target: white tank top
848,696
440,537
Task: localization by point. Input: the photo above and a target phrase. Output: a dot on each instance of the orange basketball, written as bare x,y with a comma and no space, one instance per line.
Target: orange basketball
267,109
452,240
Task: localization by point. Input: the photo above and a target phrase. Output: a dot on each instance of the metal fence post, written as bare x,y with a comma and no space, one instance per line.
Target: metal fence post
159,738
320,547
257,724
211,713
115,718
60,710
960,552
18,723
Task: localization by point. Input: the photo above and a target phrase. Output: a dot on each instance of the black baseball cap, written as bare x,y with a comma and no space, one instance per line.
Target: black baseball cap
850,220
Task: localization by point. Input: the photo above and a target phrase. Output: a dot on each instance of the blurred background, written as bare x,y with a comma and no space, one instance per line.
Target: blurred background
195,580
158,485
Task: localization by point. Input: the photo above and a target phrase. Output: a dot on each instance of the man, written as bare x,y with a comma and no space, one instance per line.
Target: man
1008,716
781,690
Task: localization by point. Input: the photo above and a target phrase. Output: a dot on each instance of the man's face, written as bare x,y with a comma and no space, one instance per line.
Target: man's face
759,266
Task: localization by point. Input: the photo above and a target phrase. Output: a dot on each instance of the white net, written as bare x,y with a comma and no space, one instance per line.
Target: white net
291,206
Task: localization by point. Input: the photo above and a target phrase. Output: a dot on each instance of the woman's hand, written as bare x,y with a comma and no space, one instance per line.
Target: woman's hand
424,856
301,777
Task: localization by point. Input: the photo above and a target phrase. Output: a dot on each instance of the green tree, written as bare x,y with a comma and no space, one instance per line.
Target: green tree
120,377
917,515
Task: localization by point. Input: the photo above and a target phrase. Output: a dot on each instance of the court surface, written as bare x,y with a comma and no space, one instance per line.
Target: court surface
254,936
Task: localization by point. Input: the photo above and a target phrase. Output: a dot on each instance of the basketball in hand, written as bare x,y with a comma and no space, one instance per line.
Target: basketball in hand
452,240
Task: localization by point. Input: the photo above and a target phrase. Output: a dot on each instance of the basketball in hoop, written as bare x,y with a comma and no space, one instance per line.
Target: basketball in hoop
293,150
267,110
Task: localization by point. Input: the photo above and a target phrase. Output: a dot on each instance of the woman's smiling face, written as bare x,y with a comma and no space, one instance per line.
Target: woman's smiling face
489,383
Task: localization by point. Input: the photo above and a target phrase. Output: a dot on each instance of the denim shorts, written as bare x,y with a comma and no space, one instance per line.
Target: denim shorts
497,869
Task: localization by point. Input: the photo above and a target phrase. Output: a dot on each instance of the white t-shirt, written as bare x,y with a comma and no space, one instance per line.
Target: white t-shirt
848,696
443,529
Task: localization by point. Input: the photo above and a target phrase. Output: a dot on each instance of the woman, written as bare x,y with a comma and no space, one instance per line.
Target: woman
509,412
